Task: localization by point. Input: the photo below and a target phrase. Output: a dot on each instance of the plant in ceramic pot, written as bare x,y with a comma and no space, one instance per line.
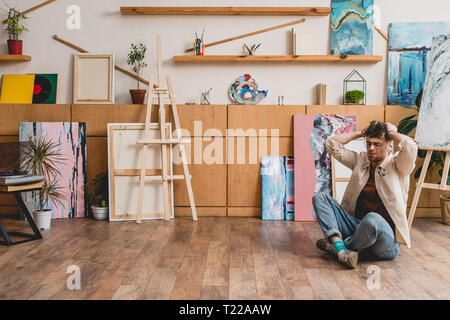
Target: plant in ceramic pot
136,58
437,161
97,196
354,97
40,157
14,29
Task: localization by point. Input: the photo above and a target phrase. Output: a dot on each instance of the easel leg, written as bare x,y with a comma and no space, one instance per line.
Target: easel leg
187,177
144,153
419,185
162,123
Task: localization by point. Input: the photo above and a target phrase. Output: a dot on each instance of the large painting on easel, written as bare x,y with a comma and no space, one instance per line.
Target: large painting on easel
124,161
433,129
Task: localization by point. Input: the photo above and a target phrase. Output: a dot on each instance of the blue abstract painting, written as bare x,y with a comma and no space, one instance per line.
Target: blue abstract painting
352,27
409,49
433,129
277,188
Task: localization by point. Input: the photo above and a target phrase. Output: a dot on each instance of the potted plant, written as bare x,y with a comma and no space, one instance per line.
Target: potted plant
437,161
14,29
136,62
97,194
354,97
40,157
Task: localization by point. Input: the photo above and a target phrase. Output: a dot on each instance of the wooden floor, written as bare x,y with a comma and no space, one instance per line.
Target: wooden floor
215,258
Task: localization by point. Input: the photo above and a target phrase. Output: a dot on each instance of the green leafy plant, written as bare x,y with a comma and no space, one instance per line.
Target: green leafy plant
13,26
97,190
40,157
408,125
136,58
354,96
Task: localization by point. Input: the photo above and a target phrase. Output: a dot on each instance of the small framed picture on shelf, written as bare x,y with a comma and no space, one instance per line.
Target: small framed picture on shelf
93,78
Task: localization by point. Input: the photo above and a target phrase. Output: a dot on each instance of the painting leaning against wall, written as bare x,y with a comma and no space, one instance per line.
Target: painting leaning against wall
409,49
71,140
352,27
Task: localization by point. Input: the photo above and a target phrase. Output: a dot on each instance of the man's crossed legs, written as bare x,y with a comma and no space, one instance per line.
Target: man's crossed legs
371,237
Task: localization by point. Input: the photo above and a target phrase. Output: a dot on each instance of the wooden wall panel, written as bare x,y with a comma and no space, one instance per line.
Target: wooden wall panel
396,113
97,116
264,117
245,212
364,114
97,156
201,211
12,114
208,180
244,180
8,199
211,117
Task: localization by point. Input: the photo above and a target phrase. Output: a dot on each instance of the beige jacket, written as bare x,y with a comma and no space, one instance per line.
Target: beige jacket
391,181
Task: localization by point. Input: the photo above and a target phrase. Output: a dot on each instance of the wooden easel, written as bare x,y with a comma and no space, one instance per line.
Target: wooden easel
163,141
421,185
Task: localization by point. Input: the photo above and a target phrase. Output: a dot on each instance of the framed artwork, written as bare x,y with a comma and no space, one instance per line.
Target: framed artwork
71,137
409,51
433,128
93,78
352,27
277,188
17,88
124,157
45,88
311,160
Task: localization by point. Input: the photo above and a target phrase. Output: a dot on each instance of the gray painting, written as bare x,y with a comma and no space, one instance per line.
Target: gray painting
433,128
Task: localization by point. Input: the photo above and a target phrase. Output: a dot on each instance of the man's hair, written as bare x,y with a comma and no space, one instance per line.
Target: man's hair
377,129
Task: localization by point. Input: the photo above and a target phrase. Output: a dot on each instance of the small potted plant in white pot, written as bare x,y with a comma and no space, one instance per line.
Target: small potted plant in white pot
40,157
136,58
14,29
97,194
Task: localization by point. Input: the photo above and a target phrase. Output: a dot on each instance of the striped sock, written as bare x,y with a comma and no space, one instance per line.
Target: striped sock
339,245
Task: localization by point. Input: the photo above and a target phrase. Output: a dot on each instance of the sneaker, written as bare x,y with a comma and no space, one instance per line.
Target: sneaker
326,246
349,258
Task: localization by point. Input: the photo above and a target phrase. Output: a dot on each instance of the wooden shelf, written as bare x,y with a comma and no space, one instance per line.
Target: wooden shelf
285,58
14,57
228,11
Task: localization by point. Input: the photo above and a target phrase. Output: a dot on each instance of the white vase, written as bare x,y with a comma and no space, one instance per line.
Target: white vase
43,219
100,213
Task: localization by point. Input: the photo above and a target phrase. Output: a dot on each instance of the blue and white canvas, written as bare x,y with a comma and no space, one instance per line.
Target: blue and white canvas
277,188
352,27
409,49
433,128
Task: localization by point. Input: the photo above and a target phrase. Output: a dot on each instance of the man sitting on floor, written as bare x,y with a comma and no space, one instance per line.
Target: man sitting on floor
371,221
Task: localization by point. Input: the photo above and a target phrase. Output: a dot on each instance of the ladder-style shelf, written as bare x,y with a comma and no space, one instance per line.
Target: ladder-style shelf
282,58
14,57
228,11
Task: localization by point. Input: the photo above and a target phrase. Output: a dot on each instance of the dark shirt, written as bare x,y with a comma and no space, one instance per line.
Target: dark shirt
369,201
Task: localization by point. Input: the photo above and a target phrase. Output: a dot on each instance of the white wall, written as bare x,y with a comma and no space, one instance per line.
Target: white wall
104,29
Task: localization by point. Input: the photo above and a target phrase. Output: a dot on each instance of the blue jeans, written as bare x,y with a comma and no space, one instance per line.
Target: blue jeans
372,236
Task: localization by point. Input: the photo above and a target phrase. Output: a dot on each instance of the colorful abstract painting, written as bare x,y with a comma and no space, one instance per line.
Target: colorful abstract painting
352,27
277,188
312,161
71,137
433,128
409,50
244,90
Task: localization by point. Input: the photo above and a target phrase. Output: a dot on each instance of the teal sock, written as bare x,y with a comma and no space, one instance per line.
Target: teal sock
339,245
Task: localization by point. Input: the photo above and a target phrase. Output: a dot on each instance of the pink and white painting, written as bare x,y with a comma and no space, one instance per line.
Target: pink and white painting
71,138
312,173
